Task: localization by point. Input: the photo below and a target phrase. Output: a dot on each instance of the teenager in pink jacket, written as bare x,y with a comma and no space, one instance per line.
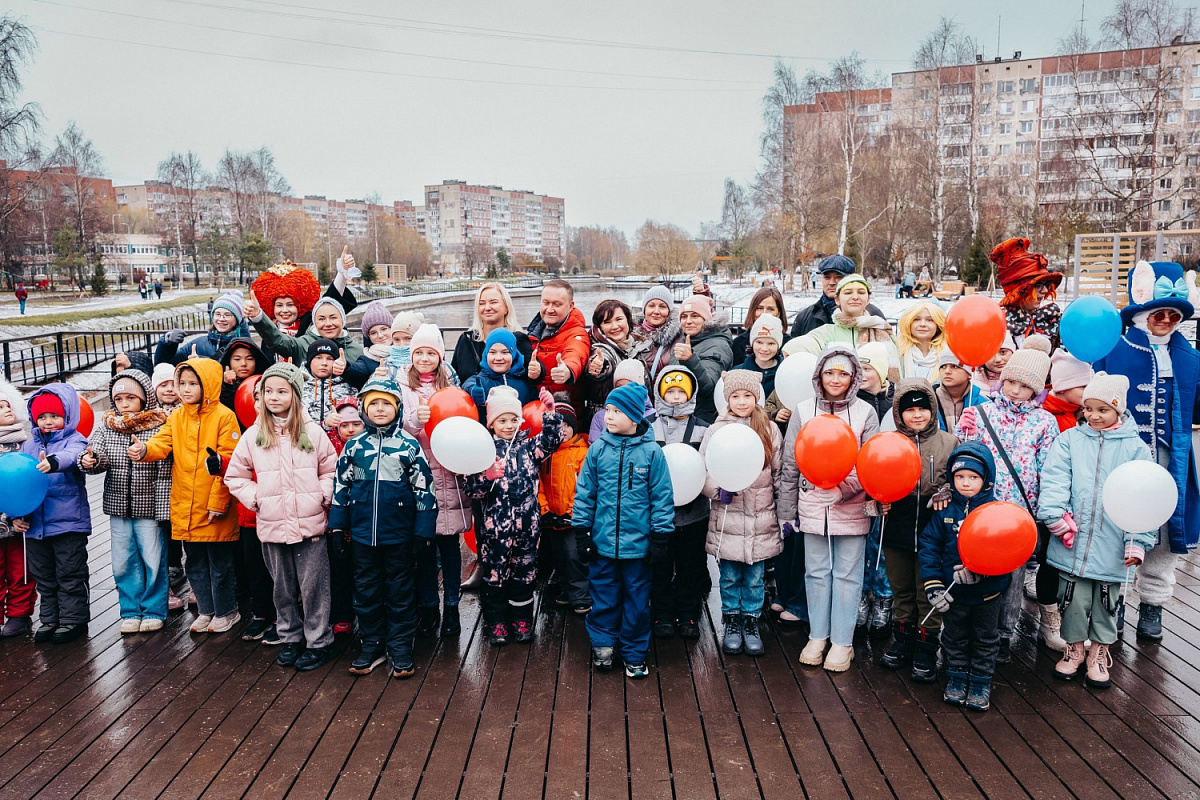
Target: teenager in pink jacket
282,469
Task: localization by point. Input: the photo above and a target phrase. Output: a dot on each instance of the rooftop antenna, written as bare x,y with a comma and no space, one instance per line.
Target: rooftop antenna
998,18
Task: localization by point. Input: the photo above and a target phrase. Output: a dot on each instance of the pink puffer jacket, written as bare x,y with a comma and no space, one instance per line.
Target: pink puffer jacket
454,512
289,489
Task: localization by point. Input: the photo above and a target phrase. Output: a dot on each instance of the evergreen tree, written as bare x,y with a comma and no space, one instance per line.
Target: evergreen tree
369,275
976,267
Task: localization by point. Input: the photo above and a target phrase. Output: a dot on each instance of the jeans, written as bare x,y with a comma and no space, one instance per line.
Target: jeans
59,564
681,583
911,603
257,578
1092,610
742,587
834,586
385,599
301,570
139,564
620,612
971,636
875,577
789,577
211,572
444,549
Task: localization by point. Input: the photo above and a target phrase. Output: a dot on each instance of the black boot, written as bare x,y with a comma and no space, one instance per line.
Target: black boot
1149,622
924,669
900,654
427,621
450,623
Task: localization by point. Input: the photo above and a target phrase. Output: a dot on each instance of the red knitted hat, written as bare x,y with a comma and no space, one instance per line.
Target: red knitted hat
286,280
46,403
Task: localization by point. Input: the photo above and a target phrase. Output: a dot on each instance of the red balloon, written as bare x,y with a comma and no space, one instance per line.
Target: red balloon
244,404
825,451
889,466
469,538
975,329
996,538
449,402
532,416
86,418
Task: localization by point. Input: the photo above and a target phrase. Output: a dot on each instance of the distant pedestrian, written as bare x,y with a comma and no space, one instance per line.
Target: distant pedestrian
142,288
22,295
158,288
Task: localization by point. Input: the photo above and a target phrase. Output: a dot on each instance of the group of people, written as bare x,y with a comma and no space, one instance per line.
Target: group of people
321,504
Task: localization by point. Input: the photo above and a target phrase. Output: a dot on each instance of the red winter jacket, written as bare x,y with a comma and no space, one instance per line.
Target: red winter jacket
570,341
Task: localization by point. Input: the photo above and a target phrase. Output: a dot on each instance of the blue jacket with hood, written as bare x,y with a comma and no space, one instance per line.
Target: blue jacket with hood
66,508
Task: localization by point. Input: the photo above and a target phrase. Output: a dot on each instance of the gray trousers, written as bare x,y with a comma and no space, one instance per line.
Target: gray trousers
1156,575
301,570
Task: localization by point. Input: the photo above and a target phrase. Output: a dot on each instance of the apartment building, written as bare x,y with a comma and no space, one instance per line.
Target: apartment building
466,224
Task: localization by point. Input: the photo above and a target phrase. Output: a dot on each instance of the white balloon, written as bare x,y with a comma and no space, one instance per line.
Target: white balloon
794,379
888,423
687,471
462,445
719,397
734,457
1140,496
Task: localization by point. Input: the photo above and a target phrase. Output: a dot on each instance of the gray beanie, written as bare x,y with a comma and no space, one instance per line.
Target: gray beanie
658,292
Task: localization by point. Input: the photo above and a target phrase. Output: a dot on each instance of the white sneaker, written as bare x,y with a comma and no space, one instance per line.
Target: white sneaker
223,624
839,658
201,624
151,624
813,653
130,625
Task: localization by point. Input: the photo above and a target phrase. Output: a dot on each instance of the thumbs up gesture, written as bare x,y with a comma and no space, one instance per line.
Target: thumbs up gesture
423,413
251,309
560,373
683,350
596,364
534,370
697,283
345,264
44,465
213,463
194,353
137,449
88,460
339,363
230,376
332,420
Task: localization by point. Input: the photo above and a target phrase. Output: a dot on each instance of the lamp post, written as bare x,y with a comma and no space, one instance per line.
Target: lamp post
116,251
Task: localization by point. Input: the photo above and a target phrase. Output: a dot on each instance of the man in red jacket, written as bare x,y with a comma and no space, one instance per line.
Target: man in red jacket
559,337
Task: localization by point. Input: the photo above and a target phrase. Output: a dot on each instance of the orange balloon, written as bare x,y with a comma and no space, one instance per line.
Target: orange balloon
825,451
532,416
975,329
449,402
889,466
996,538
243,401
469,538
87,418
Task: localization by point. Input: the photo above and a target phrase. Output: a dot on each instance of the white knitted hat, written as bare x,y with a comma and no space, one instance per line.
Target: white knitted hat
1029,365
1109,389
502,400
767,326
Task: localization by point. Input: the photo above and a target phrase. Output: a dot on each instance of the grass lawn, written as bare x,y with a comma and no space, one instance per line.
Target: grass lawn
136,306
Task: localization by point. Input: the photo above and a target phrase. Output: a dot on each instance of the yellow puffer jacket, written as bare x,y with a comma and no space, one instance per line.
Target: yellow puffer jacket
188,433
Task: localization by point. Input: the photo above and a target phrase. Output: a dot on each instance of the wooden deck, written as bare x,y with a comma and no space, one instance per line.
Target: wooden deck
177,715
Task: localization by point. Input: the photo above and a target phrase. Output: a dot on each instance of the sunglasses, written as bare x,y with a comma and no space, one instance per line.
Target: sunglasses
1166,315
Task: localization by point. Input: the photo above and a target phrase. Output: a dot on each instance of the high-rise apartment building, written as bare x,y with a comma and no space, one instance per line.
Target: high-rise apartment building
466,224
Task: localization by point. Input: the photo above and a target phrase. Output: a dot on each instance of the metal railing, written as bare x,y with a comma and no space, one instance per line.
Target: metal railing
414,288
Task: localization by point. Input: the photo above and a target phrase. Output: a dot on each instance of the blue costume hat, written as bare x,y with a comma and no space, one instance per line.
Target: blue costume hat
1154,285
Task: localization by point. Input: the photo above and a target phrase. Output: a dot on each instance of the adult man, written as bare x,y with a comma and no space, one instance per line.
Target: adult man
560,339
833,269
22,295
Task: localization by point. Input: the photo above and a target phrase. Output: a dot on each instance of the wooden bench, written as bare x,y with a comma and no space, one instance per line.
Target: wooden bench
951,290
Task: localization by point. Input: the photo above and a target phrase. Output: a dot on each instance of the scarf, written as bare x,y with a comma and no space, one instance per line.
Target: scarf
870,327
829,304
1043,320
13,434
1160,345
135,422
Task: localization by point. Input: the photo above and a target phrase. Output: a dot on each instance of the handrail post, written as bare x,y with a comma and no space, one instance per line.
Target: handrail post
7,365
59,355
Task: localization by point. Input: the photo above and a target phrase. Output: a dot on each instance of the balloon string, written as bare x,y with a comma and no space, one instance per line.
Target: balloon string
829,539
930,614
879,554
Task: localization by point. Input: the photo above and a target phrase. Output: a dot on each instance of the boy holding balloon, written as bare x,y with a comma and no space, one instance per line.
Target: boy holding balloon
17,591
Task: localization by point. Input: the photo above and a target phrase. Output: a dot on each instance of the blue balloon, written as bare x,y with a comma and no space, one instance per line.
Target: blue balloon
1090,328
24,487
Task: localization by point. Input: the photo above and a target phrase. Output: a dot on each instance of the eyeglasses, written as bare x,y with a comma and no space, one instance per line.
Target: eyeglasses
1044,286
1166,315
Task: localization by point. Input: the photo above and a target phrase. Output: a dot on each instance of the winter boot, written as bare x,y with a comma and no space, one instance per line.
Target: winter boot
956,688
839,657
881,617
664,629
900,654
498,634
733,641
450,622
1099,661
1120,614
813,654
1051,623
864,610
1149,622
428,619
924,665
979,693
1030,584
751,638
1072,661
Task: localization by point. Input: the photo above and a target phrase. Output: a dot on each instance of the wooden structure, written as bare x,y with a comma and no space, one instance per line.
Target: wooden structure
179,715
1102,261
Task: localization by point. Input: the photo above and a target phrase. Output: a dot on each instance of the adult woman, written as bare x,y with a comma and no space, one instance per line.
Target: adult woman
287,294
766,300
613,340
228,321
660,328
493,309
1027,285
921,339
706,349
329,322
853,324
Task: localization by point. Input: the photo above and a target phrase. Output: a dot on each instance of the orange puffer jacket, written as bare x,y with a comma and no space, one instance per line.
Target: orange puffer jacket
556,491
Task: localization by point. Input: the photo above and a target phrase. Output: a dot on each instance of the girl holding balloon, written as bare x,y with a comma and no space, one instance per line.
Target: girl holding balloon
822,498
1090,551
743,529
17,591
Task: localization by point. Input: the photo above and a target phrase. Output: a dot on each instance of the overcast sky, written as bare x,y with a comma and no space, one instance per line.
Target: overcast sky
629,110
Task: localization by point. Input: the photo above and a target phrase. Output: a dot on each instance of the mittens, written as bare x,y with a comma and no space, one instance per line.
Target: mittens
724,497
213,462
496,470
966,423
940,599
964,576
546,399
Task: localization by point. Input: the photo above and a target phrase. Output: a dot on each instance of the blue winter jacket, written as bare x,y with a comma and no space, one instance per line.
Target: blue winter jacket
1073,480
1154,412
624,495
482,382
937,550
66,508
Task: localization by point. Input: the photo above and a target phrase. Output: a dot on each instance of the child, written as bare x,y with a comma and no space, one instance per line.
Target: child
324,388
630,520
630,370
377,341
502,365
875,607
681,582
163,384
971,609
341,562
1068,377
987,377
418,382
508,543
383,502
282,470
569,547
834,521
17,591
920,340
954,391
200,436
765,340
136,497
916,631
241,359
56,532
876,390
743,531
1019,432
1092,554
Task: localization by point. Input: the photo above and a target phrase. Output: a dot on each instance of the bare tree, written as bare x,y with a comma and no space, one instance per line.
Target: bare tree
1134,24
79,160
265,186
664,249
19,123
184,175
234,174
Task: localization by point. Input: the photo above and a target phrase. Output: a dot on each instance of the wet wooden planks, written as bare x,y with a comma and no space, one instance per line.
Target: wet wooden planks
178,715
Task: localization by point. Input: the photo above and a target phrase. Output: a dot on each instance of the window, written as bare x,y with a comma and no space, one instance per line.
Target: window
1025,148
1004,149
1196,92
1006,108
1052,81
985,130
1026,170
1172,117
1023,191
1189,182
1005,127
1003,170
1028,106
1003,87
1187,206
983,150
985,109
1166,139
1164,206
985,88
1026,126
926,94
925,115
981,172
1165,183
1029,84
